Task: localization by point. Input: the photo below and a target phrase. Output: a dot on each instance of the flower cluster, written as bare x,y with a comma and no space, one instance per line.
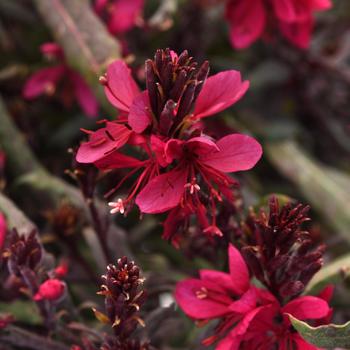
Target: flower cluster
256,318
60,76
24,255
280,253
251,19
123,299
180,170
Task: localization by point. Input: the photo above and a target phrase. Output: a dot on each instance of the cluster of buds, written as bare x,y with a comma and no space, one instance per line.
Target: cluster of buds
173,87
280,253
24,255
123,299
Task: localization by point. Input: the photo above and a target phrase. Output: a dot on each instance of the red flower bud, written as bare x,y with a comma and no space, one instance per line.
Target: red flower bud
51,289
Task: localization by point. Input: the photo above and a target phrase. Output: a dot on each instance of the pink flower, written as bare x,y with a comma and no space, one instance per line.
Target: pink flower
52,289
268,326
176,159
47,80
249,20
120,15
216,294
3,229
197,156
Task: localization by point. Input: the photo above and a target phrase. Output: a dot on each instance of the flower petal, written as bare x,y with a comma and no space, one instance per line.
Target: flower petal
238,270
235,337
195,307
124,15
221,279
246,302
219,92
84,95
3,228
103,141
307,307
298,33
247,21
118,160
163,192
139,115
237,152
121,88
42,81
202,145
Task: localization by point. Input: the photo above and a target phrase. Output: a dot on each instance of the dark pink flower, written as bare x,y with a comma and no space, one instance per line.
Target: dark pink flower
62,77
178,166
249,20
202,157
268,326
3,229
120,15
228,296
52,289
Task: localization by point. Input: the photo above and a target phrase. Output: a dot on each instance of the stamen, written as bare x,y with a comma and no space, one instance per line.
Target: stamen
202,293
117,207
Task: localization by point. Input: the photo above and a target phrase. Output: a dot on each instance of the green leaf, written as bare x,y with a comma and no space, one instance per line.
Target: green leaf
328,336
24,311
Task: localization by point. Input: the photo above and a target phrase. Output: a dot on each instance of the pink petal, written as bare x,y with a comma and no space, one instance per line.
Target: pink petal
173,150
235,337
237,152
103,141
238,270
42,81
84,95
321,5
307,307
124,15
100,5
52,50
202,145
298,33
121,89
247,21
221,279
219,92
118,160
326,293
3,228
139,115
287,10
158,148
186,297
163,192
246,302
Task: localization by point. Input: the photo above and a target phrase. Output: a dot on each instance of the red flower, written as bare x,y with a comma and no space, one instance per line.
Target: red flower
120,15
268,326
46,80
221,295
197,156
3,229
52,289
176,159
250,19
